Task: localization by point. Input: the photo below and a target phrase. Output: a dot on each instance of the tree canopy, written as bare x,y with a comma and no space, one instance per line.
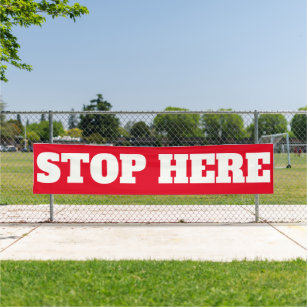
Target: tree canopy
177,127
74,133
72,120
11,129
26,13
140,129
42,130
269,124
223,128
104,126
299,125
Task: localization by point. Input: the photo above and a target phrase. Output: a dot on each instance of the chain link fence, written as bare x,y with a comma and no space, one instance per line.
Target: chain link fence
286,130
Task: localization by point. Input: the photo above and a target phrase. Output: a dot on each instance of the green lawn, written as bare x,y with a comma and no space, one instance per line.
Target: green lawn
17,179
153,283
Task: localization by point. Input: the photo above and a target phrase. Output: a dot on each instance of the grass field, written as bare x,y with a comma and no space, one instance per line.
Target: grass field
153,283
17,178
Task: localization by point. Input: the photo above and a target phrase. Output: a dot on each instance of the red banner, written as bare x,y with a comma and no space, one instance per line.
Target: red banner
89,169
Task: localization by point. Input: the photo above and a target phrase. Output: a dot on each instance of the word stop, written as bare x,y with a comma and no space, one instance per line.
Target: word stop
84,169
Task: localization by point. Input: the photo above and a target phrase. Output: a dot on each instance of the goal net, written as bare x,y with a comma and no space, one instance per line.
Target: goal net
281,146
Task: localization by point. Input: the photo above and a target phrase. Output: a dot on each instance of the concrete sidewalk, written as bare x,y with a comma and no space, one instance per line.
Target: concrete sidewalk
160,241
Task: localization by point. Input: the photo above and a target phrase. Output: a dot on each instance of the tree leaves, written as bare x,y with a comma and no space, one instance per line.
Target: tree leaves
25,13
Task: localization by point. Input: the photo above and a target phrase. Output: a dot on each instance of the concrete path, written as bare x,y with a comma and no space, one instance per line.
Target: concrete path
186,241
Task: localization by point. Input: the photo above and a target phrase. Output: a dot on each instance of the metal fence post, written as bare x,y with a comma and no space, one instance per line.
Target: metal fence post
51,141
288,151
256,140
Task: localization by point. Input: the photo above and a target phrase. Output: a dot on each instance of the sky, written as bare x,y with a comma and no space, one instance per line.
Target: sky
148,55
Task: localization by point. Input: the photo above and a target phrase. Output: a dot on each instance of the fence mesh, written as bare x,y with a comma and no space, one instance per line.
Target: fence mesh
19,130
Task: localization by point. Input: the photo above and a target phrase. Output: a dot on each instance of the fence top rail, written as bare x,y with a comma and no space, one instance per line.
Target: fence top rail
153,112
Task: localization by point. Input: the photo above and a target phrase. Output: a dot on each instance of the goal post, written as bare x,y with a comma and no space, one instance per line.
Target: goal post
281,146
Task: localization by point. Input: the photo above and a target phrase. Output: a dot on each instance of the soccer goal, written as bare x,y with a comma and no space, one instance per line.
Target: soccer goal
281,145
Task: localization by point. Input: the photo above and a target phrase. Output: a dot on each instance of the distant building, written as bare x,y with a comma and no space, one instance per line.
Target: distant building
66,139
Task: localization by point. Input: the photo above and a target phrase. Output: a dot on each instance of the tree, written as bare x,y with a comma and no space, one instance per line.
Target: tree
25,13
32,137
18,118
223,128
140,129
129,125
74,133
34,127
96,138
2,116
269,124
107,125
42,129
10,131
43,118
72,120
123,132
18,124
58,129
177,127
299,125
